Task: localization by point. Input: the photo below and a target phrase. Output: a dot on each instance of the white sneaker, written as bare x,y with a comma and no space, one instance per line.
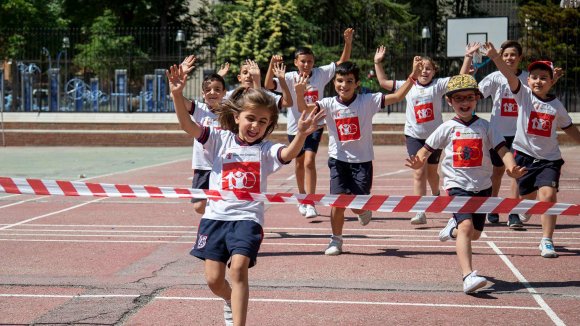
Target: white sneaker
310,211
365,217
525,217
473,282
228,317
334,247
302,209
547,248
420,218
446,233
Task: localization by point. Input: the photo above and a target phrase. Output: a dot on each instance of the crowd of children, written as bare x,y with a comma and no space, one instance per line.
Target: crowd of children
231,151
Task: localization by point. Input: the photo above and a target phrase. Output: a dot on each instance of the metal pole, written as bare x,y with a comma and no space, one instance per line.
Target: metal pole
2,105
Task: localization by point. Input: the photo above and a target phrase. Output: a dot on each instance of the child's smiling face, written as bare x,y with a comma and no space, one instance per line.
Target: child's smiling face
463,103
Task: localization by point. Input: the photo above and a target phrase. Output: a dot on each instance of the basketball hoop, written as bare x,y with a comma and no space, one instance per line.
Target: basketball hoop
569,3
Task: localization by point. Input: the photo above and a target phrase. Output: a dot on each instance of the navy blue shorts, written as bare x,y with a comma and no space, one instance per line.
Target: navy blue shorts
495,158
415,144
350,178
311,143
541,173
478,220
200,181
220,240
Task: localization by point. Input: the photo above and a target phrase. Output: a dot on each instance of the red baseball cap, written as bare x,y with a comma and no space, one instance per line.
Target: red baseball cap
545,64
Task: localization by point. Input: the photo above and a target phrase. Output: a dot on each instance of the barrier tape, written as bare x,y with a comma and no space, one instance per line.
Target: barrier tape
379,203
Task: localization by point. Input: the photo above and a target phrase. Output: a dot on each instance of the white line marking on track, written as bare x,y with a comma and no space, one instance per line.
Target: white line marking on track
544,306
20,202
271,300
393,173
50,214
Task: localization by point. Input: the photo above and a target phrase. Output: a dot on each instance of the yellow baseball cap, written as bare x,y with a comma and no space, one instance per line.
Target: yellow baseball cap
462,82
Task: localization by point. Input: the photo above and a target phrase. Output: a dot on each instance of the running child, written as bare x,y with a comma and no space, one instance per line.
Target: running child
423,116
350,140
466,168
305,167
536,142
230,232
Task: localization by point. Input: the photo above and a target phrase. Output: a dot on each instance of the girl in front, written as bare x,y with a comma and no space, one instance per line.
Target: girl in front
230,232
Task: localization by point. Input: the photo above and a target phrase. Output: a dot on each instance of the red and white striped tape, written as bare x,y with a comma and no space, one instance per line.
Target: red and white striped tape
379,203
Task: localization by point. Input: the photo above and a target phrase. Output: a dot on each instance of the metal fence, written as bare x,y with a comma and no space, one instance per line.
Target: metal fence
138,84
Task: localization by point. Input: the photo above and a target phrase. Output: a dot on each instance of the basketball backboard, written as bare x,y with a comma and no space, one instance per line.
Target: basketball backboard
461,31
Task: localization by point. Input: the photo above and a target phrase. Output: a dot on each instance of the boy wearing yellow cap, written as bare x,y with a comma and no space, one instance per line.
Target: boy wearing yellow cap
466,167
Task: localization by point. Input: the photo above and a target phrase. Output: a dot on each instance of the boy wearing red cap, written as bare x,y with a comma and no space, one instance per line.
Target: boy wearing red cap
536,142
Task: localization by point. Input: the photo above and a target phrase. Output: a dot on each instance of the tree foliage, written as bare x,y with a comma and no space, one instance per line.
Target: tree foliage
101,54
23,14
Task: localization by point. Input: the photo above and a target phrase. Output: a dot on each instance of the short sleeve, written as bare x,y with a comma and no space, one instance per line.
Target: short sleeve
486,86
439,138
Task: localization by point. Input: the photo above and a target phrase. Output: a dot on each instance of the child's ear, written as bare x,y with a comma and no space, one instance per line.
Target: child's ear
239,78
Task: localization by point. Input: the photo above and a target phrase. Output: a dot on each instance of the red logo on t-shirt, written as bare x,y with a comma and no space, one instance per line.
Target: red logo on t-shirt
467,152
424,112
509,107
310,94
241,176
348,128
540,124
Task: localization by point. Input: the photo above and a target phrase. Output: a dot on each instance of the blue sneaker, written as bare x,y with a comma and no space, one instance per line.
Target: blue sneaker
547,248
493,218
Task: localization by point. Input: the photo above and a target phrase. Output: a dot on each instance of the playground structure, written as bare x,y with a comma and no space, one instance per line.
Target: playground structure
76,95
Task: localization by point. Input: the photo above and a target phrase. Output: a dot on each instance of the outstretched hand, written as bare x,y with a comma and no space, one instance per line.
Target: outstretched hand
279,70
415,162
224,69
471,48
300,83
516,171
380,54
417,67
188,64
177,78
308,122
490,50
254,69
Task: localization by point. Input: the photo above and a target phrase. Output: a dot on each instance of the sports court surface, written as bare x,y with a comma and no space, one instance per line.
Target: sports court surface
111,261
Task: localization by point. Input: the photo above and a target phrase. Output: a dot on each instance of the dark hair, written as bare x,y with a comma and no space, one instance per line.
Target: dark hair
244,98
432,62
511,44
348,67
303,50
212,77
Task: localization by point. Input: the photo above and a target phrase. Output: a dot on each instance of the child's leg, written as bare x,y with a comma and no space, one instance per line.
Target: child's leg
496,176
215,276
299,171
309,161
465,234
548,194
240,290
337,220
420,181
433,178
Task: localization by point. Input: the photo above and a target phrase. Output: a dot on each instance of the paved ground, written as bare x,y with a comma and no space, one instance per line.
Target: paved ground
107,261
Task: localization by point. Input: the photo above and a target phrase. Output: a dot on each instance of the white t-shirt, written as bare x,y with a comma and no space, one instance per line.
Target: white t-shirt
504,112
320,76
350,126
238,166
466,162
423,110
202,114
537,124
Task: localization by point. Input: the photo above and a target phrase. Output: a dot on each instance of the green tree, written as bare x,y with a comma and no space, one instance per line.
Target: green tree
19,15
106,50
258,29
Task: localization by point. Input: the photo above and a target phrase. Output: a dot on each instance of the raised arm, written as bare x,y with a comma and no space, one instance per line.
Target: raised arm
188,64
177,80
400,94
470,49
279,71
307,124
345,56
512,79
269,81
300,87
385,83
